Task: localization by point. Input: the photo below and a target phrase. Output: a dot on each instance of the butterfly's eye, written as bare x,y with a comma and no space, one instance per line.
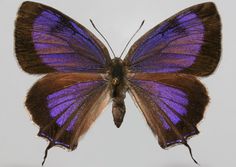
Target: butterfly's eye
115,81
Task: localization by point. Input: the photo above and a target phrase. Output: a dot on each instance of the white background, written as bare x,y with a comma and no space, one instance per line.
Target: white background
133,144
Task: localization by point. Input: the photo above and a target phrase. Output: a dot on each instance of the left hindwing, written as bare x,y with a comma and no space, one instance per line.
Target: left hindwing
172,104
188,42
64,105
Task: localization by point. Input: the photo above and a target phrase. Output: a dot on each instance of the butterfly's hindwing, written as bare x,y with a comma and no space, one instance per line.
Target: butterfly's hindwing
65,105
172,104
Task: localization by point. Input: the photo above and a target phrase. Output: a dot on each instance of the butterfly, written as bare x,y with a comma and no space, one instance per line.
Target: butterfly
160,73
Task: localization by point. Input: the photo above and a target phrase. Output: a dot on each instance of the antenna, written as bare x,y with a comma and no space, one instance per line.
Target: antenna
132,38
102,36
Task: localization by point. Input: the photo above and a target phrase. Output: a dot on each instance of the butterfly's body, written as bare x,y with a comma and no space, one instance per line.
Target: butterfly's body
160,72
118,82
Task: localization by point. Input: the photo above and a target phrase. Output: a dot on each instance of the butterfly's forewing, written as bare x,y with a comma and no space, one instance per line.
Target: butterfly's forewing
188,42
46,41
65,105
172,104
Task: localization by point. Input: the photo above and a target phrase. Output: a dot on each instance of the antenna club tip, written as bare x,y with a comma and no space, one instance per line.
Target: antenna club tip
91,21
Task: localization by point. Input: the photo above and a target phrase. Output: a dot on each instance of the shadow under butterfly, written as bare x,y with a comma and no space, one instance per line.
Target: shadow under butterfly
159,72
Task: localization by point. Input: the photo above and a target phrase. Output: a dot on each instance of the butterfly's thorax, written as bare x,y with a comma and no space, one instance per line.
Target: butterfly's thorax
119,88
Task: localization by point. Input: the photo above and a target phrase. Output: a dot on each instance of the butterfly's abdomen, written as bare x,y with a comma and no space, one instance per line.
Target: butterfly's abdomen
119,89
118,111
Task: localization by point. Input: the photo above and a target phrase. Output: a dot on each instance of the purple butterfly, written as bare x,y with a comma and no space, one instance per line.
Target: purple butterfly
159,72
